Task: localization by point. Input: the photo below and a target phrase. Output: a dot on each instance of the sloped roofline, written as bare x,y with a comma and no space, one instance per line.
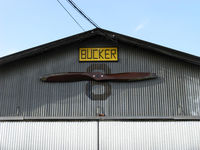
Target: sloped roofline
107,34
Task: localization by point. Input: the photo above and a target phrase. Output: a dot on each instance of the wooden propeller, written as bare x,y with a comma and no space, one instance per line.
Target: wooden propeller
98,76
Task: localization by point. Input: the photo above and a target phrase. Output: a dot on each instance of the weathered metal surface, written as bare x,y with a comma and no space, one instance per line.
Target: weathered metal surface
98,76
48,135
112,36
103,135
174,93
149,135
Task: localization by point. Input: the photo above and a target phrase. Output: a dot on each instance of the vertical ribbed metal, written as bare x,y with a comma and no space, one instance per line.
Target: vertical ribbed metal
48,135
111,135
174,93
149,135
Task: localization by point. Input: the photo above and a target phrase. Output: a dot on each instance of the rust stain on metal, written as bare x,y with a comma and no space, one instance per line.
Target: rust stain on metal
102,115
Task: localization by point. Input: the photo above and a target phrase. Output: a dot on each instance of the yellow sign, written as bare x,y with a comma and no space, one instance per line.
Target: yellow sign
98,54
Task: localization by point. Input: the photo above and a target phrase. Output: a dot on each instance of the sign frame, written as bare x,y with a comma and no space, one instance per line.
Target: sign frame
99,61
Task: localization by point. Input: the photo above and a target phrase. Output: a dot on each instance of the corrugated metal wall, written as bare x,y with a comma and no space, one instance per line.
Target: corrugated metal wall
48,136
174,93
104,135
149,135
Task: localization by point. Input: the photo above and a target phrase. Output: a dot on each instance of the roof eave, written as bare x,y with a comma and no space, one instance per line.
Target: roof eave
107,34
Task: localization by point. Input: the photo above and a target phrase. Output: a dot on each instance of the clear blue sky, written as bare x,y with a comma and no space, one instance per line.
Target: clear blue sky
29,23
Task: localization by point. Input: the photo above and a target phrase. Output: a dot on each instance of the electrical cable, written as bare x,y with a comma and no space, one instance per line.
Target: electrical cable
70,15
82,13
86,17
91,21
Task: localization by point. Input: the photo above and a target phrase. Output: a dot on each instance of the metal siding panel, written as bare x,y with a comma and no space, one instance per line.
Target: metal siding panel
149,135
48,135
175,93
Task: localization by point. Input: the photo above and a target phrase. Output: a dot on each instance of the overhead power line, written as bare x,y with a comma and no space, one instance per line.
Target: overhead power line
82,13
70,15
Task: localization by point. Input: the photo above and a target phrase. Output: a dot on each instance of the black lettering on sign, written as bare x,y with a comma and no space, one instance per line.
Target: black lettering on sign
91,84
107,53
113,53
100,54
83,54
95,50
89,52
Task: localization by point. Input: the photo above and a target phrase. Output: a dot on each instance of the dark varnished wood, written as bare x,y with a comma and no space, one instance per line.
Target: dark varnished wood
98,76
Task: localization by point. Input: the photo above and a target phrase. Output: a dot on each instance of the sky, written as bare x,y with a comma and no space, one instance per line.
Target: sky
172,23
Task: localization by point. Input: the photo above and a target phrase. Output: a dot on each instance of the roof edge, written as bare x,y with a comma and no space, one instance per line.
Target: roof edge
155,47
45,47
107,34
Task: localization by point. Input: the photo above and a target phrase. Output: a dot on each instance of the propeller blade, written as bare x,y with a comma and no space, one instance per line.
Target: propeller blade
66,77
129,76
97,76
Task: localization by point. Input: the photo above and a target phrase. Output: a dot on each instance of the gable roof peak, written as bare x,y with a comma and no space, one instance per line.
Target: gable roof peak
116,37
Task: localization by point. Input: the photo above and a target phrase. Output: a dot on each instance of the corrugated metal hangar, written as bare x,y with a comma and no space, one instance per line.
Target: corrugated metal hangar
100,90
